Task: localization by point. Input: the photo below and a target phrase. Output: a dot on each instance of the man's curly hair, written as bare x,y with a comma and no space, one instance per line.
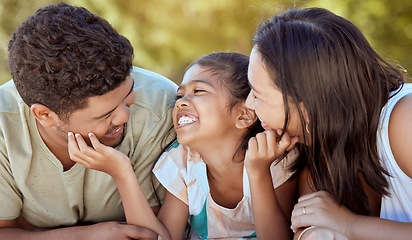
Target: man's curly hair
63,54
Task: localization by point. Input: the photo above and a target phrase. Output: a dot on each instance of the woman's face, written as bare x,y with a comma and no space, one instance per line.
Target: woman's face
267,100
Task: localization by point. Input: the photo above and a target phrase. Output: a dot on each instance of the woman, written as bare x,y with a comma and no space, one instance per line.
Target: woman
314,75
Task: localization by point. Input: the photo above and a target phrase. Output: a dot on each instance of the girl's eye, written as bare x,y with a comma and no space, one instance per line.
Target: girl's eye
178,97
107,116
198,90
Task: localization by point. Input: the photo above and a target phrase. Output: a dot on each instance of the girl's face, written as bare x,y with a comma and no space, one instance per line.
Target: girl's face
267,100
201,114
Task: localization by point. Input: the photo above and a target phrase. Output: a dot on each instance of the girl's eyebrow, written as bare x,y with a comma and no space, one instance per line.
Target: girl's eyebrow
202,81
196,81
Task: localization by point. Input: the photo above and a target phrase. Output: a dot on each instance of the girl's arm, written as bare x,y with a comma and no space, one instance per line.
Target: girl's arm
116,164
174,215
271,208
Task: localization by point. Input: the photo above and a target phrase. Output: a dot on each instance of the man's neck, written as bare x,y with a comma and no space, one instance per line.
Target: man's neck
58,148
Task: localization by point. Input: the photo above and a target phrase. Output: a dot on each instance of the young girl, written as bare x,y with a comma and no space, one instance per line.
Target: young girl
352,111
207,177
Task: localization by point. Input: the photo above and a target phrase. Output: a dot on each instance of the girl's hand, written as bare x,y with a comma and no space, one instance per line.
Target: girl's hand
266,148
99,157
319,209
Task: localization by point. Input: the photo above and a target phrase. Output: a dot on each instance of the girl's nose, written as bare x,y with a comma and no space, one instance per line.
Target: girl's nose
182,102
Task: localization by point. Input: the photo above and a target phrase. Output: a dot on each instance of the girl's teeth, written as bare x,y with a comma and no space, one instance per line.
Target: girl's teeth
185,120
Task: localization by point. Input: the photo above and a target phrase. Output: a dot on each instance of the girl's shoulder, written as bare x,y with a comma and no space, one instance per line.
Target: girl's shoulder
179,156
178,170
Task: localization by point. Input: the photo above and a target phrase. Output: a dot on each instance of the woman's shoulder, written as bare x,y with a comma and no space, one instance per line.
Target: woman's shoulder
400,132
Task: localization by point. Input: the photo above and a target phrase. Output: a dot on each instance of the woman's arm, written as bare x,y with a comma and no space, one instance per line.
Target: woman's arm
321,210
117,165
271,208
15,229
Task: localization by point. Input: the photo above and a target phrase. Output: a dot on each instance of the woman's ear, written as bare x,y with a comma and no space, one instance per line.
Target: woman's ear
246,118
304,112
44,115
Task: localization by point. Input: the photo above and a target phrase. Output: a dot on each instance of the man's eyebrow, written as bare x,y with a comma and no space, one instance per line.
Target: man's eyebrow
106,114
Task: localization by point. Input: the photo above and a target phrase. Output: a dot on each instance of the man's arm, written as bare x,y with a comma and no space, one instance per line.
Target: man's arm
17,229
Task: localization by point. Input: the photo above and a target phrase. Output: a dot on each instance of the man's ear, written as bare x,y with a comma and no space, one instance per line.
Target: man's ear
246,118
44,115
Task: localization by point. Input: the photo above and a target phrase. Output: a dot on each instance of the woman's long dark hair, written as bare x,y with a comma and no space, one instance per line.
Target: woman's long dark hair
323,61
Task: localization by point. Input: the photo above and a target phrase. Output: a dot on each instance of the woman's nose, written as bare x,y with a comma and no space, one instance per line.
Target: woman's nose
249,101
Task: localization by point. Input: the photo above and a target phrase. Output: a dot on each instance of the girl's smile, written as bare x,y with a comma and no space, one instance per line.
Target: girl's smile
183,120
201,110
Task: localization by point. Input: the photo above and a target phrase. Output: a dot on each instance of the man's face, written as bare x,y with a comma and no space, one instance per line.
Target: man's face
105,116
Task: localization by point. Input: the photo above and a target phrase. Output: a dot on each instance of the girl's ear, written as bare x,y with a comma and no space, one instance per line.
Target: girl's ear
44,115
246,118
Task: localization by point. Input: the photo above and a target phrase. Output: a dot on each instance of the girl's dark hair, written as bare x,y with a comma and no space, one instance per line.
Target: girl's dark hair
63,54
323,61
231,69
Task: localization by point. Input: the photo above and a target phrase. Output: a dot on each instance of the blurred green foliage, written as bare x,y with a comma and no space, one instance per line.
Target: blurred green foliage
168,35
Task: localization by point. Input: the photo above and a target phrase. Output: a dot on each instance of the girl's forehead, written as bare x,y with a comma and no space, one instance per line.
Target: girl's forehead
198,74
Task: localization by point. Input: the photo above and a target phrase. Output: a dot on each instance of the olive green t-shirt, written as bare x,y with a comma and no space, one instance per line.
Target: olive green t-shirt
32,180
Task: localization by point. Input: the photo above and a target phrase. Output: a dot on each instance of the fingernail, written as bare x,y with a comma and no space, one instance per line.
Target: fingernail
70,134
279,131
159,237
90,134
77,135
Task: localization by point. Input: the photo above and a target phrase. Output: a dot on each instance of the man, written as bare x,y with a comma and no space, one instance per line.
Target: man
72,72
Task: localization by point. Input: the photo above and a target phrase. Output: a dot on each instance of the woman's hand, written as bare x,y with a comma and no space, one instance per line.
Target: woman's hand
319,209
265,148
321,233
98,157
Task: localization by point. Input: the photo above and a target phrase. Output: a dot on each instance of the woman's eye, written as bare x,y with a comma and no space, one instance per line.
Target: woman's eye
178,97
253,95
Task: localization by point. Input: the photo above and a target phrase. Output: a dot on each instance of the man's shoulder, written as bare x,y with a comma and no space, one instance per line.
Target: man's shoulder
9,97
146,78
153,91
